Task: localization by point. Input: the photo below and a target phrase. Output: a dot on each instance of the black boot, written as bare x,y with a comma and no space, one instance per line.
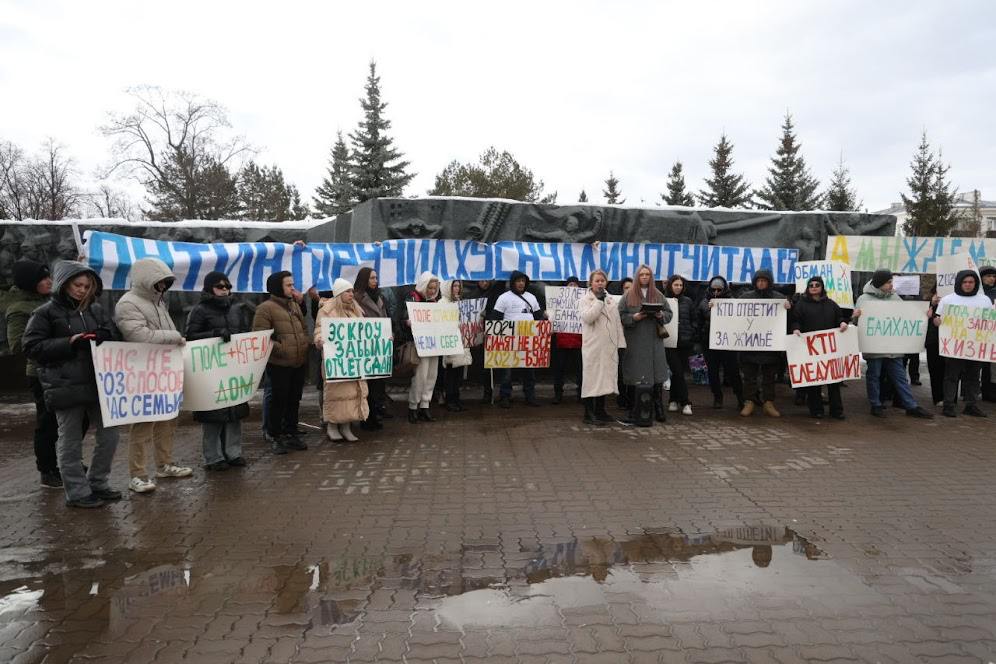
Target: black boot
412,416
425,415
659,412
600,414
589,412
558,395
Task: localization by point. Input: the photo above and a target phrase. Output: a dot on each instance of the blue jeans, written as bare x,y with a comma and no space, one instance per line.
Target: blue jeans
504,376
894,368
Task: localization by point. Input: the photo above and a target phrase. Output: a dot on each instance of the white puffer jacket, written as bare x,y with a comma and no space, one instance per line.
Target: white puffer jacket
141,314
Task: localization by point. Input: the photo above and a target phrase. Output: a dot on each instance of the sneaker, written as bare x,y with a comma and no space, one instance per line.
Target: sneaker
237,462
217,466
974,411
769,409
748,409
878,411
171,470
51,480
672,407
687,410
138,485
86,502
107,495
920,413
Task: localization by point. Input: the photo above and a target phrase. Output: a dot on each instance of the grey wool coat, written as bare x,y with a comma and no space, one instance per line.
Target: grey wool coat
645,362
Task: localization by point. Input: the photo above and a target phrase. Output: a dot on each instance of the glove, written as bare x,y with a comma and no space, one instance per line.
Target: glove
225,335
102,334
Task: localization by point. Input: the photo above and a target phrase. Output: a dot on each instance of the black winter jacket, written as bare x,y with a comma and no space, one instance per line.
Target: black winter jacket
65,371
214,317
769,293
686,321
809,315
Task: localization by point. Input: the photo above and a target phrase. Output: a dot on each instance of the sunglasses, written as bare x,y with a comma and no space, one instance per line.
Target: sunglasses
223,286
814,285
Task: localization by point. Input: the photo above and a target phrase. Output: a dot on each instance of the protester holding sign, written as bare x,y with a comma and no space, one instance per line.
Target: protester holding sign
601,338
453,365
221,429
57,338
32,288
288,364
988,274
813,312
142,315
517,303
761,363
880,289
677,357
424,380
966,295
567,354
643,312
935,363
366,290
343,401
490,291
729,361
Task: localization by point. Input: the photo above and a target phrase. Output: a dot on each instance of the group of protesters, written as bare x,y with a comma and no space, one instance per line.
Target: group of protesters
52,317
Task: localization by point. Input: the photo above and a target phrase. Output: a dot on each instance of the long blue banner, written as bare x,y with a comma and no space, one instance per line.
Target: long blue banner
399,262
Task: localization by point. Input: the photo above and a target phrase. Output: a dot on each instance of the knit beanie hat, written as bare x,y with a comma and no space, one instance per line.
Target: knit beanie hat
28,273
880,277
986,269
340,286
212,279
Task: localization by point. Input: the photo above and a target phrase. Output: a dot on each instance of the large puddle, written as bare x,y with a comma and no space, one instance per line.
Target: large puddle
482,586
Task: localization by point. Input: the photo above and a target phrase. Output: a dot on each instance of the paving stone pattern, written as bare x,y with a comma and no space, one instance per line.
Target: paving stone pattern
524,536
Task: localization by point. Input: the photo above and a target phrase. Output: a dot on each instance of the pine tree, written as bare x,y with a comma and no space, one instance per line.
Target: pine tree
613,196
790,185
839,196
724,189
495,175
377,166
582,197
676,194
264,195
335,194
930,205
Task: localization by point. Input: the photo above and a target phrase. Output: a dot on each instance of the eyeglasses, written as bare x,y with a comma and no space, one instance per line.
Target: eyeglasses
223,286
814,285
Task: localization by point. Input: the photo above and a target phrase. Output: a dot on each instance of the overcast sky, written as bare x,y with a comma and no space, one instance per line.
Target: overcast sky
572,89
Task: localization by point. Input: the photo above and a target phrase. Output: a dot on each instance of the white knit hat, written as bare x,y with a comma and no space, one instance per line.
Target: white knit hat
340,286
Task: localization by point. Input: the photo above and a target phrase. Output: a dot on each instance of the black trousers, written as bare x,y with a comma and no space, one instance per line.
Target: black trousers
452,377
767,372
935,367
815,401
677,360
564,360
376,397
988,387
46,430
287,384
730,363
912,362
969,372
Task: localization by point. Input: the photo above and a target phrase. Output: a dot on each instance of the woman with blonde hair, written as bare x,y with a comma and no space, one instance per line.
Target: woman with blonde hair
601,338
343,401
644,312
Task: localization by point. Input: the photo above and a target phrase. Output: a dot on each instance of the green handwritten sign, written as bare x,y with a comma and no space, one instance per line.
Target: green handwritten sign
357,348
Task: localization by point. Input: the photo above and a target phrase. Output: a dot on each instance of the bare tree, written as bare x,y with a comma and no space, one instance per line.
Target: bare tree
53,190
110,203
15,183
174,143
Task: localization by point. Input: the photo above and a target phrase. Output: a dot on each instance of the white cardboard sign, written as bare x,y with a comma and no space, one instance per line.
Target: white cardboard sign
747,325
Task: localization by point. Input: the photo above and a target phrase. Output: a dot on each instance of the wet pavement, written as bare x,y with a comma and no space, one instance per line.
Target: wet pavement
524,536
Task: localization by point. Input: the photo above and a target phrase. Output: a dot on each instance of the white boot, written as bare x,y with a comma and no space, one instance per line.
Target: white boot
347,432
332,431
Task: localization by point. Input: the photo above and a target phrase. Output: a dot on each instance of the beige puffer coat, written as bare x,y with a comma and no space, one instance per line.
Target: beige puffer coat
343,400
142,314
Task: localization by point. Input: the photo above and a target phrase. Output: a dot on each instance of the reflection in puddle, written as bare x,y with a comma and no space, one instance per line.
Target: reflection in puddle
482,584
